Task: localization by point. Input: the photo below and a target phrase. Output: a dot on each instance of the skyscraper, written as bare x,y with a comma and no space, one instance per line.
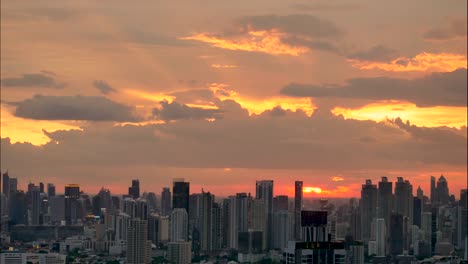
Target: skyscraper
138,247
280,203
282,226
368,206
205,223
166,201
404,198
50,189
134,190
242,211
396,234
6,184
314,226
298,185
35,205
41,187
433,191
216,227
72,194
442,191
180,194
179,225
264,192
385,200
380,236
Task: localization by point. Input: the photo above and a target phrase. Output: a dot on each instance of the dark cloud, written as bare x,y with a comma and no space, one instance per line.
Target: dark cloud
92,108
177,111
447,89
376,53
293,141
104,87
300,24
456,29
33,80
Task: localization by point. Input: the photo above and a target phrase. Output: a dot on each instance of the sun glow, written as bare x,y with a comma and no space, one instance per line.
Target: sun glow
431,62
421,116
265,41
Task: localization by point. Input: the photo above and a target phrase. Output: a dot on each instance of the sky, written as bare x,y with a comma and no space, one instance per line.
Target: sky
224,93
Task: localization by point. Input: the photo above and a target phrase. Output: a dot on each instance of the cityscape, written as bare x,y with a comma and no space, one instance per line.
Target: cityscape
389,223
231,131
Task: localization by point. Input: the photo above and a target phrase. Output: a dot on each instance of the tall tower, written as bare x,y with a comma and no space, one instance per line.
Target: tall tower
179,225
180,194
35,205
166,202
368,208
6,184
50,189
242,210
138,247
72,194
298,185
385,201
134,190
433,191
206,232
264,192
442,191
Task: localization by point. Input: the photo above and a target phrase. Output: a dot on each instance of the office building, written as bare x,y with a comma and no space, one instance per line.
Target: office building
138,246
264,192
35,205
298,185
180,194
179,225
134,190
72,194
179,252
368,208
166,202
50,189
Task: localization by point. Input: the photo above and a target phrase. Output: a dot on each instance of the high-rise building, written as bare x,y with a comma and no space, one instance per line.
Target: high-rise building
179,225
298,185
217,228
280,203
6,184
433,191
179,252
142,209
314,226
56,209
417,211
385,200
443,195
264,192
396,234
180,194
242,212
206,222
134,190
166,202
420,194
41,187
35,205
72,194
283,232
50,189
368,207
153,228
380,236
138,246
232,222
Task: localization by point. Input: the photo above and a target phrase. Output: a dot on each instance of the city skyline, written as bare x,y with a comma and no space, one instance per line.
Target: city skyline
326,93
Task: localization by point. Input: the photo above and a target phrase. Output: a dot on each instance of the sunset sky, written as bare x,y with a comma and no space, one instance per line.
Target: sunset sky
223,93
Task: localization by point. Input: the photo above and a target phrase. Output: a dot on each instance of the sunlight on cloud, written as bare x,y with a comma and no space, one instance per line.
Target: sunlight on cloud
265,41
223,66
420,116
257,106
431,62
336,179
27,130
154,97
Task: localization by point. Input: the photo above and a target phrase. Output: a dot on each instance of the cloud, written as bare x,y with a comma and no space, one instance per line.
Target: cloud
325,7
223,66
104,87
42,79
91,108
292,142
256,41
175,111
436,89
296,24
376,53
428,62
336,179
456,29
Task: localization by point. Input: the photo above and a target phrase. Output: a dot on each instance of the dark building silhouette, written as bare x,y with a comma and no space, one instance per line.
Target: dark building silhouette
298,195
443,195
396,234
72,194
433,191
368,208
134,190
280,203
166,202
385,200
250,241
51,190
264,192
314,226
41,187
18,208
180,194
417,210
6,184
